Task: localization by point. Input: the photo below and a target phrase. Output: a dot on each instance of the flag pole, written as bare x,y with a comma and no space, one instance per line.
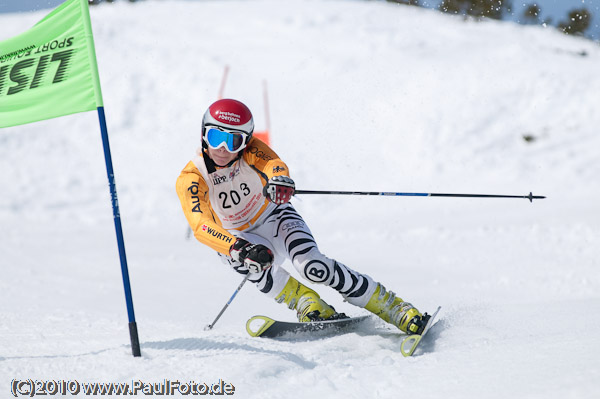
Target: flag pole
133,333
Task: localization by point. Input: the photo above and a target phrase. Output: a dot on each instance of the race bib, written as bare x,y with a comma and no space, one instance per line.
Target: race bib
235,193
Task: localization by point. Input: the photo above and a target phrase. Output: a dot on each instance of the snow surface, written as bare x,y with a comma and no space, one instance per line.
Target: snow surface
363,96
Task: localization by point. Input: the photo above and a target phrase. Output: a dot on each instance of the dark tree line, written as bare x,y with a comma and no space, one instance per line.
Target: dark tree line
494,9
576,22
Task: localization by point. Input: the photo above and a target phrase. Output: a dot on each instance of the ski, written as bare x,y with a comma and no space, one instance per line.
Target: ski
262,326
412,341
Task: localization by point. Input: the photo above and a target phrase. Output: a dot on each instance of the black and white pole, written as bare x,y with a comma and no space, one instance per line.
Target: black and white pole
530,197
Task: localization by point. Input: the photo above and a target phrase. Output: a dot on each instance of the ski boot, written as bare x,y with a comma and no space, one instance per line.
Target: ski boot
394,310
306,302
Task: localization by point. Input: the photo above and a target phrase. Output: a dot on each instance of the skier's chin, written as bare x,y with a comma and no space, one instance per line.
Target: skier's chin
221,158
220,163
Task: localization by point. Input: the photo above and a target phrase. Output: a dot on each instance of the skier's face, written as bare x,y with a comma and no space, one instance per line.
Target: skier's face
221,157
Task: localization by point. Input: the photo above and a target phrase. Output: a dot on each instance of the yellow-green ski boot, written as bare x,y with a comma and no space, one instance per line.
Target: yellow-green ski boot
394,310
306,302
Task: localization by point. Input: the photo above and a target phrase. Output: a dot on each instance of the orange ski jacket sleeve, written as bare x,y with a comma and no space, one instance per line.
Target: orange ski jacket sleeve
193,193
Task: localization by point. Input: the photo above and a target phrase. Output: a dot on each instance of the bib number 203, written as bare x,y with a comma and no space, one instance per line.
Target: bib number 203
233,197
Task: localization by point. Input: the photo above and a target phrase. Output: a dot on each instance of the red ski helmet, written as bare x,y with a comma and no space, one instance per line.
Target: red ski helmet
228,114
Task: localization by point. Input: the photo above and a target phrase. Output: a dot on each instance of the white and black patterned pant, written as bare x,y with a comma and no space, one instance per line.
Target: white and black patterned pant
287,235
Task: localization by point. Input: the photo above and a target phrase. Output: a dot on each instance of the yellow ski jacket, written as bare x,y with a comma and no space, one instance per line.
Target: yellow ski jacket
217,200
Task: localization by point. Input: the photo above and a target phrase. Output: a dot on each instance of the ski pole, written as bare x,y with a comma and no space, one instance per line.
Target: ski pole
210,326
530,197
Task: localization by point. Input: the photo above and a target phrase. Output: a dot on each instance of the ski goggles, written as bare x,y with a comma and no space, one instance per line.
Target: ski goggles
217,137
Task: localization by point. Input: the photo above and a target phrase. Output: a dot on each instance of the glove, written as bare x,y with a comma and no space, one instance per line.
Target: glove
279,189
255,257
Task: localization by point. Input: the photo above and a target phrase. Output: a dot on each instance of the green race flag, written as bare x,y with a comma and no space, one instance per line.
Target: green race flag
50,70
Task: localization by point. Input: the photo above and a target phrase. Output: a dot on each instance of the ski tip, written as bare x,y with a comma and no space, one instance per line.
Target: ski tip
257,325
409,344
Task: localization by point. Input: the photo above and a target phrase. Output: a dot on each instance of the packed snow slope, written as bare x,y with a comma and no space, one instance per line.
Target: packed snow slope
362,96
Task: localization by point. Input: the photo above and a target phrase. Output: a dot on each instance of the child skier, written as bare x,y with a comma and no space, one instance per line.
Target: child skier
235,195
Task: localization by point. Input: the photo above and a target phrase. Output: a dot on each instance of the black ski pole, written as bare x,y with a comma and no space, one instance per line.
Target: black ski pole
211,325
530,197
